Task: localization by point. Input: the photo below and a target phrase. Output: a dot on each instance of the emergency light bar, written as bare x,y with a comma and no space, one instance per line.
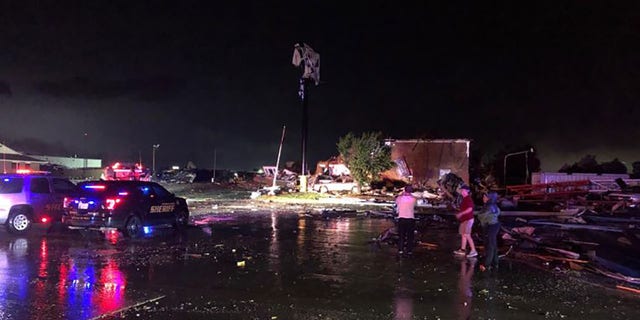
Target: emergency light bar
93,186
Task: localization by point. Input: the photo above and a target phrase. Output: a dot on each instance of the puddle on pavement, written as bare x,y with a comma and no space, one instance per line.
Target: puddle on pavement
271,265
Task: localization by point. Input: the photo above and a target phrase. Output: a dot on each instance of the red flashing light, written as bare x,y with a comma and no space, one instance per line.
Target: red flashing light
44,219
116,165
111,203
23,171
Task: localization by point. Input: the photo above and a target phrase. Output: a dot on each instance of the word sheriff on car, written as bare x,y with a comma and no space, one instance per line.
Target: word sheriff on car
127,206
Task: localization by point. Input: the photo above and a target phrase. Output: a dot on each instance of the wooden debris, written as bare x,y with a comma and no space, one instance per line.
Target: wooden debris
524,230
582,242
575,266
506,253
549,258
634,290
566,253
616,276
624,241
577,226
427,244
537,213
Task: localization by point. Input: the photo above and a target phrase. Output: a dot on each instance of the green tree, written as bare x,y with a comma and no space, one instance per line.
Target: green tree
366,156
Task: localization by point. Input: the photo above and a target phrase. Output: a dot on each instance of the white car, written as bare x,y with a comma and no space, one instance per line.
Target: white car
326,184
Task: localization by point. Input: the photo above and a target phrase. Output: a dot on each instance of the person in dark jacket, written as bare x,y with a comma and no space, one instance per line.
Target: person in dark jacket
491,226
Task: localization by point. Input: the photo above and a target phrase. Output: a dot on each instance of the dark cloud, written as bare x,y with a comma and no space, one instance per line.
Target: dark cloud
205,75
149,89
5,88
39,147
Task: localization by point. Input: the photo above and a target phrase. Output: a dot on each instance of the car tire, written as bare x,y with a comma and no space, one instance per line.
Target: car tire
133,227
19,222
181,220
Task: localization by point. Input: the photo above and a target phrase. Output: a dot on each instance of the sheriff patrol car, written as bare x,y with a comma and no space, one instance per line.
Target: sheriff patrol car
127,206
27,198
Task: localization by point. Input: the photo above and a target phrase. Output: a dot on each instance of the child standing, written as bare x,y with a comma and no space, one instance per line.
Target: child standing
465,217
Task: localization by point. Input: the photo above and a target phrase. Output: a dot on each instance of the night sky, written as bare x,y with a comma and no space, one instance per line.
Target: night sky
196,77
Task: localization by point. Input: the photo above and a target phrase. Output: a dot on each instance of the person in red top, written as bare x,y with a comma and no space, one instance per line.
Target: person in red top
465,217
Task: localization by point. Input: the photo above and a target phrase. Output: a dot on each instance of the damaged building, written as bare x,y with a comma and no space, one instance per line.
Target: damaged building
424,162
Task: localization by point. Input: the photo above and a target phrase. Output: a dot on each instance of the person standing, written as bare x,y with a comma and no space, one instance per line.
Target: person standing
491,226
405,204
465,218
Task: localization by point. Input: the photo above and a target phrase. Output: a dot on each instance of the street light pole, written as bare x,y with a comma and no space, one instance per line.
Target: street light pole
526,159
155,147
215,159
85,159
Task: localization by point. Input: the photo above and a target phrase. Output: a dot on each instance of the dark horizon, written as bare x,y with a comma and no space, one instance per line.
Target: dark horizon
197,77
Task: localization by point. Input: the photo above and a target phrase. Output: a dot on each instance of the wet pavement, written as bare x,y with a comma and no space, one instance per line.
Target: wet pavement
282,265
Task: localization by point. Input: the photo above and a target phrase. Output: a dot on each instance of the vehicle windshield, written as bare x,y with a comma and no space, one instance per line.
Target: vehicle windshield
11,185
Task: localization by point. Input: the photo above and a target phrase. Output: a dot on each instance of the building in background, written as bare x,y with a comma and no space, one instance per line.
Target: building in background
424,162
12,161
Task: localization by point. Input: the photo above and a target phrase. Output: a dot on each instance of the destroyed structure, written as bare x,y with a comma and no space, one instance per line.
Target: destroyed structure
424,162
555,191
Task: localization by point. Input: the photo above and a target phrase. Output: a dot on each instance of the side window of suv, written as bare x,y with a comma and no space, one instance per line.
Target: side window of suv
39,185
62,185
11,185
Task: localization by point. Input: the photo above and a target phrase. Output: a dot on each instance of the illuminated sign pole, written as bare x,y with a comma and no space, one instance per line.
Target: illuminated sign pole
305,56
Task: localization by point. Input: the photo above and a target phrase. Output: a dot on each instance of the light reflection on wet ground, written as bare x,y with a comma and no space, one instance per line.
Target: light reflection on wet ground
276,265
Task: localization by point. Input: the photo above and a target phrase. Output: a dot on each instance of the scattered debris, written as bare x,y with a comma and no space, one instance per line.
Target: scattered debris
634,290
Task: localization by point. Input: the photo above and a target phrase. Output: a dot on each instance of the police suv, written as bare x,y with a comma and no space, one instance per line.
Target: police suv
32,198
128,206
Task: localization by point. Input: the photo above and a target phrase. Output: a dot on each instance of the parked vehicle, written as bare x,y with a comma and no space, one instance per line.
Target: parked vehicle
32,198
126,171
325,184
127,206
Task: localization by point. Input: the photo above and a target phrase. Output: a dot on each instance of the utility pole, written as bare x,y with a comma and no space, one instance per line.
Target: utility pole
275,174
304,56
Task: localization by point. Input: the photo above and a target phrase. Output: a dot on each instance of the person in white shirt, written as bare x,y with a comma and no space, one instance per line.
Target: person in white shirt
405,206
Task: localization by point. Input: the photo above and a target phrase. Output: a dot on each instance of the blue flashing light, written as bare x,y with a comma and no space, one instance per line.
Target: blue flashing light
6,180
146,229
